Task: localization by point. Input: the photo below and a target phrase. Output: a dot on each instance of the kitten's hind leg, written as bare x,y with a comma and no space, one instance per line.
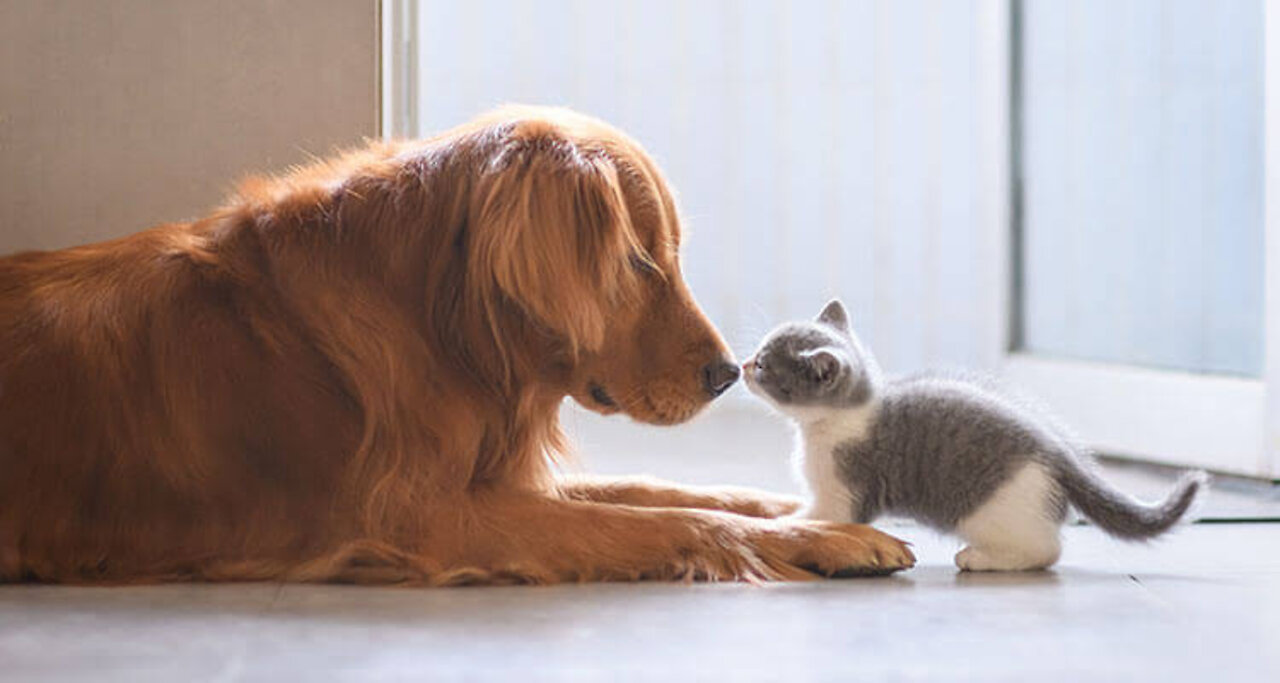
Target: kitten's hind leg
988,558
1017,529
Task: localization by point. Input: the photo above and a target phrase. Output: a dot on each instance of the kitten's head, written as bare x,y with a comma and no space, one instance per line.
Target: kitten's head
802,367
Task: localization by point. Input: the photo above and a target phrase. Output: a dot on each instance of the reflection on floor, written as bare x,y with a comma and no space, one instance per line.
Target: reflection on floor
1203,604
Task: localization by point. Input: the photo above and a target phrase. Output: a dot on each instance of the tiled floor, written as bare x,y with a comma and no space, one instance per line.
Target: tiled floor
1203,604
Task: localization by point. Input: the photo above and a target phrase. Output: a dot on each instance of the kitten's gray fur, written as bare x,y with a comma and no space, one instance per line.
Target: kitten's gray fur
951,453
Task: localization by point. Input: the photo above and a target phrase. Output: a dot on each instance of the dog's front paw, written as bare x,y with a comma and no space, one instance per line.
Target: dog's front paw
837,550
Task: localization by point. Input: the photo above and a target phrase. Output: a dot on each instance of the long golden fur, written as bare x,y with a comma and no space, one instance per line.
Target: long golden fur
352,372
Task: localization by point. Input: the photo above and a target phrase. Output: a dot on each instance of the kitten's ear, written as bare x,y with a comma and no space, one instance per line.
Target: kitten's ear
823,364
835,315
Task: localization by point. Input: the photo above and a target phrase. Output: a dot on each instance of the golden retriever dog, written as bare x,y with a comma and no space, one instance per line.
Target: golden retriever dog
352,373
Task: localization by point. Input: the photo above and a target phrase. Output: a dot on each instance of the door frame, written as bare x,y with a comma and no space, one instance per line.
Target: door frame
398,66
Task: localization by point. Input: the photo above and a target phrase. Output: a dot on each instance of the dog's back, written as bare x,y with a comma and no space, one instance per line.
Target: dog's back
142,414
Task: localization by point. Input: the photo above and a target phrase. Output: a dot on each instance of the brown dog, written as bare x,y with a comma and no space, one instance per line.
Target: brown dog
353,372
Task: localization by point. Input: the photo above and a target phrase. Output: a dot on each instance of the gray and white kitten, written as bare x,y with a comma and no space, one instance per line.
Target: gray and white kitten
947,452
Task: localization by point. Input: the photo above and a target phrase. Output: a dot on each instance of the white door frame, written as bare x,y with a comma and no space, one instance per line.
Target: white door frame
398,63
1270,455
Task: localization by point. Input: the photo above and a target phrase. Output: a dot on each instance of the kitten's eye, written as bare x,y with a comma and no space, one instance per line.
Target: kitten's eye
760,364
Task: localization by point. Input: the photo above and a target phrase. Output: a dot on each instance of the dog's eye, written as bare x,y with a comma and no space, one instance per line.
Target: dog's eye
643,265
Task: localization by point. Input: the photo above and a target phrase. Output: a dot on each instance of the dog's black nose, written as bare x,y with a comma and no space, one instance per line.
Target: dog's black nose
718,376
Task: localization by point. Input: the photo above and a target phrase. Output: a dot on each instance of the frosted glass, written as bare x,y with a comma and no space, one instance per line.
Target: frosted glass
1143,182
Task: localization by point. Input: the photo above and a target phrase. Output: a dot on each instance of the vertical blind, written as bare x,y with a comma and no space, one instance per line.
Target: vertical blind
817,148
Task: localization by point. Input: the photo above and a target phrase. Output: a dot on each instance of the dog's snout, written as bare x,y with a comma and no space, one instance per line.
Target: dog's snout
718,376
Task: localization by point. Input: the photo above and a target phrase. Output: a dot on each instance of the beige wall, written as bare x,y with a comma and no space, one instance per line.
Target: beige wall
119,114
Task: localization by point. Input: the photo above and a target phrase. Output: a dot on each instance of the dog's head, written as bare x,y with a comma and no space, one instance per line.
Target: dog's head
579,230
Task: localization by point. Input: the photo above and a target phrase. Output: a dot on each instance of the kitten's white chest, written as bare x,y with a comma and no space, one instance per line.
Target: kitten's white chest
818,433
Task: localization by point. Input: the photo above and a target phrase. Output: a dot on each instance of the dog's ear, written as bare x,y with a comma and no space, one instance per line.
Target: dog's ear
552,231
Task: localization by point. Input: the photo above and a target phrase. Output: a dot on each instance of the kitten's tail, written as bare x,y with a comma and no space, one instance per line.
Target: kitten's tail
1120,514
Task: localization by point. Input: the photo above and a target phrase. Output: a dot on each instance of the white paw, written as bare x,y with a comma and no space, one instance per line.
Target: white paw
971,559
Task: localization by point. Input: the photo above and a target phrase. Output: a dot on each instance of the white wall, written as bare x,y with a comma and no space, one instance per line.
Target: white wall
818,148
117,115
